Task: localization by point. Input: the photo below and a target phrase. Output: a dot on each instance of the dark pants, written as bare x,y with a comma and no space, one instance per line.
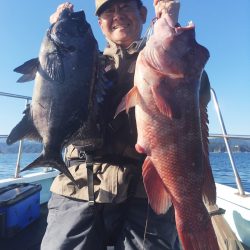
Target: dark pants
74,224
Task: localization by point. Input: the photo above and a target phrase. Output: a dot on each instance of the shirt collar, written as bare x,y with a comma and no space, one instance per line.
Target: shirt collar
134,47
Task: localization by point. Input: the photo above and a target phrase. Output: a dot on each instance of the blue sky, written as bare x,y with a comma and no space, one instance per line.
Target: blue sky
222,26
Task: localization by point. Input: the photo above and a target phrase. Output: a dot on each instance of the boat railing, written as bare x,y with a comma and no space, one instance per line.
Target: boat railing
20,148
226,138
224,135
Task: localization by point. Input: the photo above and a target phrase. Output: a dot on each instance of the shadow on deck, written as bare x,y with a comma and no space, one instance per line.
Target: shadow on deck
29,238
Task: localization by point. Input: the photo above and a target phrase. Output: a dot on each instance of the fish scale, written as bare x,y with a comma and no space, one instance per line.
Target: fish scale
166,99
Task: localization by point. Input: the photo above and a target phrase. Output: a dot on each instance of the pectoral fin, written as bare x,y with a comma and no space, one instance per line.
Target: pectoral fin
28,69
131,99
158,196
24,129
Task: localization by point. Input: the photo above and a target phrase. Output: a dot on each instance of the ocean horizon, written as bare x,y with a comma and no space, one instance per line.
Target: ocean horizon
222,170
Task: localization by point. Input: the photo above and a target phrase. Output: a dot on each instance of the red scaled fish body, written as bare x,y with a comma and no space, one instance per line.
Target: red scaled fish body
166,100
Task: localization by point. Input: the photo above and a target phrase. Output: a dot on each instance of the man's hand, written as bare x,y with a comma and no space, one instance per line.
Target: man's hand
170,7
53,18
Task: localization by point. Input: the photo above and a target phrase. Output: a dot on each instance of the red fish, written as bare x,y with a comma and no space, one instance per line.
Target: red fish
166,99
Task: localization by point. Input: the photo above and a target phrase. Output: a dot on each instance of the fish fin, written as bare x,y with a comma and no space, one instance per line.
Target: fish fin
26,78
56,162
28,69
208,188
165,102
54,67
140,149
121,107
24,129
130,100
204,92
159,198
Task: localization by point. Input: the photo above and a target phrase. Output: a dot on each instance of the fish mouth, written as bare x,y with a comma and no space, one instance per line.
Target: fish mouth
67,13
78,15
189,26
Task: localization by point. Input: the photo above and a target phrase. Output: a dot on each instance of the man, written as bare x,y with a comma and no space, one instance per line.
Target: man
111,208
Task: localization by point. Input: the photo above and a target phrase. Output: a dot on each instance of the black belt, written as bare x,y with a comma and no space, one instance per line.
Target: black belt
105,158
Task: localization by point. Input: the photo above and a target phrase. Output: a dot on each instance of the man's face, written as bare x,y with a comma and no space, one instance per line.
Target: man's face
122,22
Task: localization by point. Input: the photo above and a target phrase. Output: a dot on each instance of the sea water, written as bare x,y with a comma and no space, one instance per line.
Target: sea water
8,164
222,170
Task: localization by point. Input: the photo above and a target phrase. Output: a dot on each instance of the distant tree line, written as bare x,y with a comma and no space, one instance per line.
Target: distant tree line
215,145
28,147
236,145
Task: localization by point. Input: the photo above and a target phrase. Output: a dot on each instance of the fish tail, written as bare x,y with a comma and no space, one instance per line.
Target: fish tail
55,162
203,240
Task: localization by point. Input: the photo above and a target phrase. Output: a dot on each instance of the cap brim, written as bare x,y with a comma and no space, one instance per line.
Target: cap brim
103,6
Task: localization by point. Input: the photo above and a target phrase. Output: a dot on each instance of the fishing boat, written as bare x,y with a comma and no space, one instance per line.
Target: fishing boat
234,201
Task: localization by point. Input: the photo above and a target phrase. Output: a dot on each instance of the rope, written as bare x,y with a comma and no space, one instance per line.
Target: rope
146,226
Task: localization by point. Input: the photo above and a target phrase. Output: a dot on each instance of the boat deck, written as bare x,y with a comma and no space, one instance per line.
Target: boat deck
29,238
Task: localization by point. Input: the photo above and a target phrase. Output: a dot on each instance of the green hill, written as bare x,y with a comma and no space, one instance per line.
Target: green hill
236,145
215,145
28,147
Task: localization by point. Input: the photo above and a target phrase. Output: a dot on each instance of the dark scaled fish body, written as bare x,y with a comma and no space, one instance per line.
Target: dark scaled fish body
166,99
64,90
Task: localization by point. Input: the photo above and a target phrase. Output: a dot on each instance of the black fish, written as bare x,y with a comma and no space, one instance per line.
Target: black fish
65,91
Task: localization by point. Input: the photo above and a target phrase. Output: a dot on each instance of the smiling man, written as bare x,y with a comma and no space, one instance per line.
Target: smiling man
122,22
112,207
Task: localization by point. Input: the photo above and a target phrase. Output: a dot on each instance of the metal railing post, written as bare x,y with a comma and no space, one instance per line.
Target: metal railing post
19,157
225,137
20,150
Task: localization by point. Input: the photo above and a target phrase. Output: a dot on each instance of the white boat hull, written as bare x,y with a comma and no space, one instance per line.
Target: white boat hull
237,211
43,178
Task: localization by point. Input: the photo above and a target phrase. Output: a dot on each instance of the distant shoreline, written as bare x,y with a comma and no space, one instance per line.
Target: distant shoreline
216,145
